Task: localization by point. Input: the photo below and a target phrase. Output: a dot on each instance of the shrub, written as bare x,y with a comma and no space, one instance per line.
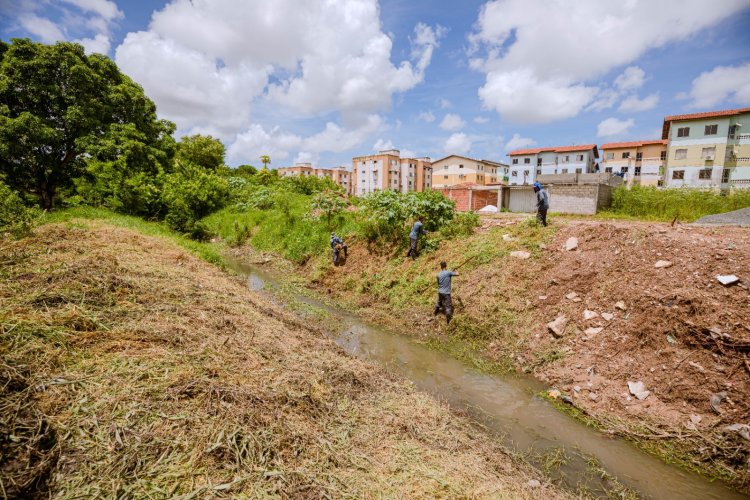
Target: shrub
191,193
463,224
329,203
687,204
16,219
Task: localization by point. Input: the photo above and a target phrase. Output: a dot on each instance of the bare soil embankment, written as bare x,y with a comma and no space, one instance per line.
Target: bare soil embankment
130,368
679,331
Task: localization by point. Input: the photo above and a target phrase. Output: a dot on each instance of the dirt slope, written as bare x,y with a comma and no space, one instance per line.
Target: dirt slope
132,369
682,334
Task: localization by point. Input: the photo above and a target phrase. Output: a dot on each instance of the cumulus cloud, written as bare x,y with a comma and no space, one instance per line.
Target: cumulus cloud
723,83
481,119
458,143
632,104
518,142
445,103
614,127
518,44
382,145
426,116
452,122
46,30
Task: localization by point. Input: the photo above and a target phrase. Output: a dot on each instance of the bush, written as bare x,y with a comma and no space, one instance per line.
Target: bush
329,203
687,204
463,224
191,193
16,219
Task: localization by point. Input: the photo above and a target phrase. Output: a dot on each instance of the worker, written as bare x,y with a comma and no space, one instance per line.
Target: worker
337,245
542,203
444,302
416,230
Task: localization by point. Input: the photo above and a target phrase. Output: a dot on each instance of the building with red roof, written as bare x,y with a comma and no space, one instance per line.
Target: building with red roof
639,162
527,164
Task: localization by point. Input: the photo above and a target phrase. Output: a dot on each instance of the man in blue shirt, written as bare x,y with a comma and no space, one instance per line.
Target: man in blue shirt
444,302
416,230
542,204
337,244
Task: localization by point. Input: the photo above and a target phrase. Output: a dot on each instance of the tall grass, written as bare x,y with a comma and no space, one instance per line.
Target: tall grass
666,204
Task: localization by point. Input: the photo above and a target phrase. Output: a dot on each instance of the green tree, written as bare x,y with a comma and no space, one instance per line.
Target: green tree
329,203
265,159
56,103
16,219
203,150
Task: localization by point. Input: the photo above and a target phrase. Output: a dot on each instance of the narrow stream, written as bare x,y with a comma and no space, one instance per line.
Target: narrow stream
507,406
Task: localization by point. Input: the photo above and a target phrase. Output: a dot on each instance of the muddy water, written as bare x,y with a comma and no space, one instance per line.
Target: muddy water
507,406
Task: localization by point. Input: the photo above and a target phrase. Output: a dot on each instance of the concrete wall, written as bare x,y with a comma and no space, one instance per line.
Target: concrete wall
572,198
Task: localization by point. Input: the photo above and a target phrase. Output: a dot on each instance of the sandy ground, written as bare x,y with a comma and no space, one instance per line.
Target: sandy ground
132,369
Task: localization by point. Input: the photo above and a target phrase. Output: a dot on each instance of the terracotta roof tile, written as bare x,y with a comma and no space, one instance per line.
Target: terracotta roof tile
696,116
556,149
632,144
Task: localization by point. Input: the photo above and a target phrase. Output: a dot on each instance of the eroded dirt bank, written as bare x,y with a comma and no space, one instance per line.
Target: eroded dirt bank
130,368
677,329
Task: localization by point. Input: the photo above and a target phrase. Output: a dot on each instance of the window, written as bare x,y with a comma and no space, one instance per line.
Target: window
663,155
566,159
610,156
525,173
678,175
638,156
538,162
515,161
445,177
514,174
683,132
680,154
579,170
538,172
527,160
708,153
705,173
624,170
637,172
711,130
565,170
732,131
460,166
626,155
579,157
608,170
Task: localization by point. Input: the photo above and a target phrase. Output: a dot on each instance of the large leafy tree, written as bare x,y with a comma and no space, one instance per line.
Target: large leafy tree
60,109
203,150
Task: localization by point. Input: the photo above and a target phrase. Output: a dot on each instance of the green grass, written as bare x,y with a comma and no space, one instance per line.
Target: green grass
206,251
687,205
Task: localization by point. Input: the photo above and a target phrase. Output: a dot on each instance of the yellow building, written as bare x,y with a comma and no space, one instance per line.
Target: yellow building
339,175
388,170
455,169
640,162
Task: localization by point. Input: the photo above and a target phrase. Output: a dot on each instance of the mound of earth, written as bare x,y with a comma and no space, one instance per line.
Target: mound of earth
132,369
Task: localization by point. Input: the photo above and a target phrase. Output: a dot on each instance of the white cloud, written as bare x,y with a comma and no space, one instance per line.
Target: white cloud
426,116
105,9
521,97
46,30
452,122
517,39
445,103
633,104
99,44
614,127
481,119
458,143
382,145
518,142
723,83
631,79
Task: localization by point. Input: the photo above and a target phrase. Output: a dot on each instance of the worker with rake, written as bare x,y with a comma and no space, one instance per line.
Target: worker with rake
416,231
444,302
338,245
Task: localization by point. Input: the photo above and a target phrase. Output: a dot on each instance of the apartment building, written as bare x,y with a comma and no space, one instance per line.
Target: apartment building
455,169
388,170
339,175
639,162
527,164
708,149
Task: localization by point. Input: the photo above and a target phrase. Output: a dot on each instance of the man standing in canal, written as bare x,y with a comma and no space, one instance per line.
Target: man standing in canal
444,302
416,231
542,203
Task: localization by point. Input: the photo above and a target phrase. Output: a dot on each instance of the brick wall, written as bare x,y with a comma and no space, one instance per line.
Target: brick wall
467,199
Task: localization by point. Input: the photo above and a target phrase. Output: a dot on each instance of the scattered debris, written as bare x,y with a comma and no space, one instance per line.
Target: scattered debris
697,366
671,339
566,399
577,388
590,371
608,316
621,306
542,246
533,483
593,396
716,399
507,237
727,279
693,422
741,429
571,244
588,315
553,393
520,254
638,389
590,332
557,327
573,296
661,264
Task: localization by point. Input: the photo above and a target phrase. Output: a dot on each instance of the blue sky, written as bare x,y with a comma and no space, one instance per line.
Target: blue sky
303,80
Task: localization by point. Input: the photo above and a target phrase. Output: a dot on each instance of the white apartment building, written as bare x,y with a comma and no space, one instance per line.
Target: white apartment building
527,164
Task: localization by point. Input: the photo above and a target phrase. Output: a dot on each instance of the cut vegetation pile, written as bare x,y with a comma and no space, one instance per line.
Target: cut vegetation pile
131,369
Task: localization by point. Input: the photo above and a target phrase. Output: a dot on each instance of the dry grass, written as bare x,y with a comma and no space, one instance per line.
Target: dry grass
132,369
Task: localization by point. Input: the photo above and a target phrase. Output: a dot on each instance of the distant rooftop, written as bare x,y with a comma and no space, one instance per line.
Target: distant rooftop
698,116
632,144
556,149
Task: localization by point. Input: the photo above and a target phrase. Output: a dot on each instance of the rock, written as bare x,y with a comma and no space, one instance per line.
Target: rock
557,327
587,315
577,388
742,429
507,237
621,306
571,244
542,246
697,366
727,279
554,394
573,296
608,316
590,332
542,297
520,254
533,483
638,389
716,399
661,264
593,396
566,399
